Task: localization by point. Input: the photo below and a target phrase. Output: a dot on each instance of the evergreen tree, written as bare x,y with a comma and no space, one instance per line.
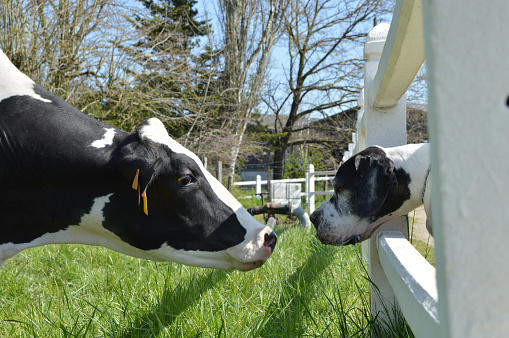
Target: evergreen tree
168,72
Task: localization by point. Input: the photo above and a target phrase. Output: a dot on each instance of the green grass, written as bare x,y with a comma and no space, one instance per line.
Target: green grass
304,289
424,248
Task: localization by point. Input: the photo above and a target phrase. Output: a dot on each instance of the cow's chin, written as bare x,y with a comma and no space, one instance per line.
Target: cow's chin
253,261
222,260
241,266
221,264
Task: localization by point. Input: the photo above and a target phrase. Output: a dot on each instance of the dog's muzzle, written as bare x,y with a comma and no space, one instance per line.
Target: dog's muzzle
316,218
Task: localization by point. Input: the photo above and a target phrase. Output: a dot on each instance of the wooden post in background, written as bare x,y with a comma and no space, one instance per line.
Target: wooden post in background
219,171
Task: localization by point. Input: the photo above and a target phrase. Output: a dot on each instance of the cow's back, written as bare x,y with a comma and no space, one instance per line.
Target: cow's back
54,159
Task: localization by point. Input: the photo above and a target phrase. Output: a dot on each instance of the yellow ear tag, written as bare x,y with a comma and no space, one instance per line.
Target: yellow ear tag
145,204
139,194
135,182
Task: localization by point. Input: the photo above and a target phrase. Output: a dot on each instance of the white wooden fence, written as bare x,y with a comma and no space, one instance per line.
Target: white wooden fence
310,180
468,85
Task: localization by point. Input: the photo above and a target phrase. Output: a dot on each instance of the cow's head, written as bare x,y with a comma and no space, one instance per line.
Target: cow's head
184,213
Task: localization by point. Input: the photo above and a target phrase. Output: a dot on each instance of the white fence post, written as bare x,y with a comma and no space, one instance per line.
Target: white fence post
258,187
361,133
468,77
385,127
310,188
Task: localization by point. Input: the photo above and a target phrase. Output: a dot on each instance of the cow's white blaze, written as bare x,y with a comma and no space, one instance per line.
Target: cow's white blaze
14,82
106,140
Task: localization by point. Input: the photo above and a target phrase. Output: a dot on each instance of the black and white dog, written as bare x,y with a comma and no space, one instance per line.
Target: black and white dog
373,187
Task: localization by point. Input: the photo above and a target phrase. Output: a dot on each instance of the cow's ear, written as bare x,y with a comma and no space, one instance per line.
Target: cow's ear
137,162
374,176
147,171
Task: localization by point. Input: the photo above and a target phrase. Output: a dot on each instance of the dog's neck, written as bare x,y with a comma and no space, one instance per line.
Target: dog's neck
414,159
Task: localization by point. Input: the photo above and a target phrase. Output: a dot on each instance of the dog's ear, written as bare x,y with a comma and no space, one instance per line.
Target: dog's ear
374,176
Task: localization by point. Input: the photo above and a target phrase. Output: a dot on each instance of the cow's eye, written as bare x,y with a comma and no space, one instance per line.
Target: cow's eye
185,180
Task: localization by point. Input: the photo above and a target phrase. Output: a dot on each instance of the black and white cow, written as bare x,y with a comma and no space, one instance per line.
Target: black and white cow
68,178
371,188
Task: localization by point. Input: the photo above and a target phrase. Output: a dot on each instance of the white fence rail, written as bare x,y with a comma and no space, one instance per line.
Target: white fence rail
310,180
413,281
468,99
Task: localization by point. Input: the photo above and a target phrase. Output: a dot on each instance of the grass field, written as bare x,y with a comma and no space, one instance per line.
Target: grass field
305,289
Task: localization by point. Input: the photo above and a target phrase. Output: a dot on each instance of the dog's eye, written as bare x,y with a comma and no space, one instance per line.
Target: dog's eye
338,190
185,180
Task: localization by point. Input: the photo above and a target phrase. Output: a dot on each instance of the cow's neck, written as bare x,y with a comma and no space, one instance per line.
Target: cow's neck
59,186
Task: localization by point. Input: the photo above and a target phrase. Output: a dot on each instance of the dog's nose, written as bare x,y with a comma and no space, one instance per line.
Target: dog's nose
316,217
270,240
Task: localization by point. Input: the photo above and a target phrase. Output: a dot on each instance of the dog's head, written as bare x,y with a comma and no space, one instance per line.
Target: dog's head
368,191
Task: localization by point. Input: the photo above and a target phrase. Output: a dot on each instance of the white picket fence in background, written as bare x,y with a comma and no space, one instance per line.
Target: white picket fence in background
312,177
468,84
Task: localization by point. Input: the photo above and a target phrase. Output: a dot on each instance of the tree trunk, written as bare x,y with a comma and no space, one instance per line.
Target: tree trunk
234,154
250,31
320,36
280,157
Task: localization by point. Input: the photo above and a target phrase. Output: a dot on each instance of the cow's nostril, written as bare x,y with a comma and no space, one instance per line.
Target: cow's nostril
270,240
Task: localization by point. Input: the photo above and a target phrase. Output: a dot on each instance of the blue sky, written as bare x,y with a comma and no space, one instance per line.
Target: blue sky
280,55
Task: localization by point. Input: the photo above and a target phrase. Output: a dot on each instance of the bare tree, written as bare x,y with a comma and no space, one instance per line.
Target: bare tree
250,29
65,45
322,72
78,50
